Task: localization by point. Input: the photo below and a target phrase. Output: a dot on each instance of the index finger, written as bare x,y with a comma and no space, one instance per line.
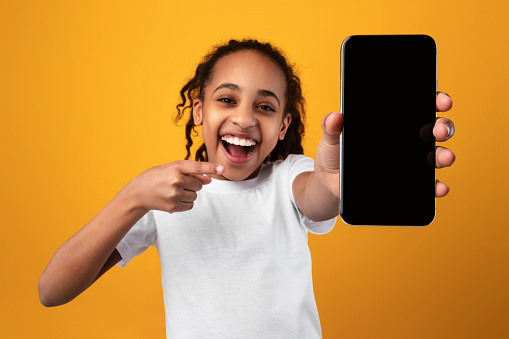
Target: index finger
198,167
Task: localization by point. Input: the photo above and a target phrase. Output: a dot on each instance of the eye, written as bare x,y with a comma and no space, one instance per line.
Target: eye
266,108
226,100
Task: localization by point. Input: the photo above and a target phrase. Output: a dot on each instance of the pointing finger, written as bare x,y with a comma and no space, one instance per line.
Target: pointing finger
198,167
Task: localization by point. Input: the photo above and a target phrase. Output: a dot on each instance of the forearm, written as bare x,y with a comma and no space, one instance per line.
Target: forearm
314,197
78,261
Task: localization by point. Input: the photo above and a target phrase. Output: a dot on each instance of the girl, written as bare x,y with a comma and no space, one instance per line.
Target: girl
231,227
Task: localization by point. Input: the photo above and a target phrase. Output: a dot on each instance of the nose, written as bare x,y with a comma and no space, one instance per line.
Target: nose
244,117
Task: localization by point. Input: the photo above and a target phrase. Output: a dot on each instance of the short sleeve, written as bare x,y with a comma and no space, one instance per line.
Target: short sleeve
299,164
142,235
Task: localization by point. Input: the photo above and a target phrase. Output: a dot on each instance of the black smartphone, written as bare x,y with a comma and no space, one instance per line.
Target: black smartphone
388,102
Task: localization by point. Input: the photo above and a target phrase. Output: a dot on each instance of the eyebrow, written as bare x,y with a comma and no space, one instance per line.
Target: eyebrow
231,86
262,92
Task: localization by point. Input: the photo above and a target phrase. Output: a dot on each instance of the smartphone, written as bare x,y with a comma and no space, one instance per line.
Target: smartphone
387,147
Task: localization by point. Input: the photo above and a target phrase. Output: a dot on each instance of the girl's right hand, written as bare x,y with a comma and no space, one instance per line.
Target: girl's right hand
172,187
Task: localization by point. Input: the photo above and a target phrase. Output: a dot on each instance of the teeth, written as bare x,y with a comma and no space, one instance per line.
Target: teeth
239,141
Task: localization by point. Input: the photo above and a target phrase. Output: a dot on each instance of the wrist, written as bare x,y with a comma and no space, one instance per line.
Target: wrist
131,198
325,194
327,182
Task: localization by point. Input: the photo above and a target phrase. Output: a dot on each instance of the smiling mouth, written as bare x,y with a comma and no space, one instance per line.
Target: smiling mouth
239,148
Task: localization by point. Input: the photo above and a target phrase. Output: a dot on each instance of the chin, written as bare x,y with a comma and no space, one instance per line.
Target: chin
240,173
236,175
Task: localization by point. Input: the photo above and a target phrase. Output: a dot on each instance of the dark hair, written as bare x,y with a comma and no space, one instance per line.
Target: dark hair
295,103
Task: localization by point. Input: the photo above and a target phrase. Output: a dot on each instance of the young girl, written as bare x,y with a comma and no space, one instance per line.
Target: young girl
231,227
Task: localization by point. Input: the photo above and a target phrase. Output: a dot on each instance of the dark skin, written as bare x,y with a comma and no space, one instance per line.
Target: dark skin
445,158
173,187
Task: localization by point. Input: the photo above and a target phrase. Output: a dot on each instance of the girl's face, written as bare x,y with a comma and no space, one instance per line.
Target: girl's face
242,113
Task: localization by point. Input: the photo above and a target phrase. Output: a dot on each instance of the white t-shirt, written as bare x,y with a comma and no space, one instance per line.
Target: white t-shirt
238,264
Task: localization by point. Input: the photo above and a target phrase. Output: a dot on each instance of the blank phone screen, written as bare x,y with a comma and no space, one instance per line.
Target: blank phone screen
388,100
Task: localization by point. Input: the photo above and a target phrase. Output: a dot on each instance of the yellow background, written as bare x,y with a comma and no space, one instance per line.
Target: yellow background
88,89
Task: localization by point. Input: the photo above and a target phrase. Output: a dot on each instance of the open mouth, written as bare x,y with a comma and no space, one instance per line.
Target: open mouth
239,149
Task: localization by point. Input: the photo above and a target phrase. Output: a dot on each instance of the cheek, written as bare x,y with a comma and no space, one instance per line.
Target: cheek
210,129
273,136
208,136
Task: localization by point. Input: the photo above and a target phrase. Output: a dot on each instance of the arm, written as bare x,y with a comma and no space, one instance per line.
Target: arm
317,193
92,250
89,253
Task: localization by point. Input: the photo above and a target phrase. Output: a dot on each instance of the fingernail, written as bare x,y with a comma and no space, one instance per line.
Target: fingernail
450,130
327,117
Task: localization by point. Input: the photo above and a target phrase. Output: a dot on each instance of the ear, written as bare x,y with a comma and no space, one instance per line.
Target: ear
284,125
197,112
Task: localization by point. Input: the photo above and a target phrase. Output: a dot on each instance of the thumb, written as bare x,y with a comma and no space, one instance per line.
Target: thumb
332,124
